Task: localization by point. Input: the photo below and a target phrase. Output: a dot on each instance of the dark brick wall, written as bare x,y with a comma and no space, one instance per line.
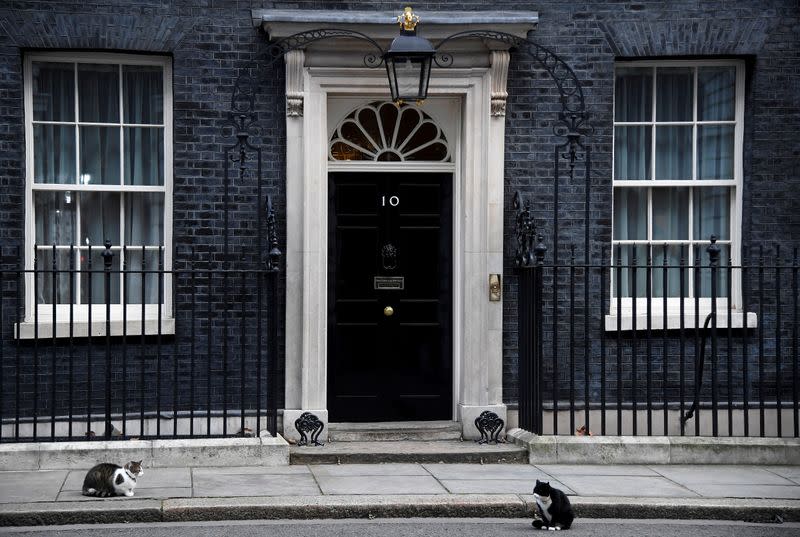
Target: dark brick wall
591,36
210,41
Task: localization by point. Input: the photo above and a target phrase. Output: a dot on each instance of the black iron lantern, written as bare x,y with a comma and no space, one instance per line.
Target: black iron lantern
408,61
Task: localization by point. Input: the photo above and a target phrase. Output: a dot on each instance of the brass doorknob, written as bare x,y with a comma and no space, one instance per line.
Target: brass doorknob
388,311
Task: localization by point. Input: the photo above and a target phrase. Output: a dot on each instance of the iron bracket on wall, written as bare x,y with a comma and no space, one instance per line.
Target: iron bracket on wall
309,423
489,425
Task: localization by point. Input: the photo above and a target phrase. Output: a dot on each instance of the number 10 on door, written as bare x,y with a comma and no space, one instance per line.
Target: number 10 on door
394,201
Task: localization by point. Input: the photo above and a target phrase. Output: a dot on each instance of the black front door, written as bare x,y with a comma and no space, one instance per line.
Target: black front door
389,296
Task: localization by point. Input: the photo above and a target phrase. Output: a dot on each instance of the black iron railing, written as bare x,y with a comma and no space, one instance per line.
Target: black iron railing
601,349
187,351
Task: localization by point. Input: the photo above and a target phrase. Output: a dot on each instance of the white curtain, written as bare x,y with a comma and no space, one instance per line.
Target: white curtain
54,100
143,95
669,206
100,154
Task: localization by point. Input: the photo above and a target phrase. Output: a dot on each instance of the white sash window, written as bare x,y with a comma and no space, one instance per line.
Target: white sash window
678,130
98,167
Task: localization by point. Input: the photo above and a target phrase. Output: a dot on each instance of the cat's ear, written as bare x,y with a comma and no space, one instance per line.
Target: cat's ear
140,462
537,481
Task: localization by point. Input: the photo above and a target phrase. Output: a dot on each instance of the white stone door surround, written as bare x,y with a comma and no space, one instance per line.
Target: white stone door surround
314,78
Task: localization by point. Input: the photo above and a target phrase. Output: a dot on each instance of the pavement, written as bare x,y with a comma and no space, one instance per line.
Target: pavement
765,493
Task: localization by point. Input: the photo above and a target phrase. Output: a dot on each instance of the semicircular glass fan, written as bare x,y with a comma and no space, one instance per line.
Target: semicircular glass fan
385,132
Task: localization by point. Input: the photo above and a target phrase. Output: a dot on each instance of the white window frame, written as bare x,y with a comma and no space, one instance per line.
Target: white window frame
80,312
673,321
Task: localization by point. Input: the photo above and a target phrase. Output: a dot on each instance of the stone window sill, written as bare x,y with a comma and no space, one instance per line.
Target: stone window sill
673,321
80,328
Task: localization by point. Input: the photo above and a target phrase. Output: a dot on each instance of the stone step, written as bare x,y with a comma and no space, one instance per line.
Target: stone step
453,451
395,431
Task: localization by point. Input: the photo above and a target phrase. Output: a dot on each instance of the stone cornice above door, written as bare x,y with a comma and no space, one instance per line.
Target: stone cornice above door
381,25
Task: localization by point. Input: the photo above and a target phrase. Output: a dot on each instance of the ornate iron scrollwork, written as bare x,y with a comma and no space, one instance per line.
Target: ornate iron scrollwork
566,80
572,122
309,423
489,425
274,255
255,74
389,255
573,127
525,231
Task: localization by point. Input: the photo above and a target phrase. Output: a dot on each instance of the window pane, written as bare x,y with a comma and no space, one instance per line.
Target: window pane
716,93
55,217
670,213
143,94
133,281
144,156
99,218
632,153
630,213
712,212
54,154
351,132
628,273
99,155
705,273
715,151
44,285
98,93
673,153
144,219
53,91
674,94
673,255
343,151
633,94
96,280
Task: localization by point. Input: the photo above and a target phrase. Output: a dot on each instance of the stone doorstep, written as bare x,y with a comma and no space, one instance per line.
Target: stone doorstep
656,449
349,506
263,451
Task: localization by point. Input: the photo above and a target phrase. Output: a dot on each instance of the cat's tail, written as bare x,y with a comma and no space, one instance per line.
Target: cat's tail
95,492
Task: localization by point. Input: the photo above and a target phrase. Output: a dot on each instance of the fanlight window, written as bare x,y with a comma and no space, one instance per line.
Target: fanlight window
385,132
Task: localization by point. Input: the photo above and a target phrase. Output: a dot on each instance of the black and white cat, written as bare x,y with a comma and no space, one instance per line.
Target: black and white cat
554,509
108,479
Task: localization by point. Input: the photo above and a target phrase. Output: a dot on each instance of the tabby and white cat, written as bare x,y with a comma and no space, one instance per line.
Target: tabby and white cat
554,509
108,479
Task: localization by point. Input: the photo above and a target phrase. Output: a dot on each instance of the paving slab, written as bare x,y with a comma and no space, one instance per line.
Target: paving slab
642,486
747,491
488,471
156,493
366,469
495,486
597,469
789,472
152,478
234,470
389,484
31,486
223,485
721,475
